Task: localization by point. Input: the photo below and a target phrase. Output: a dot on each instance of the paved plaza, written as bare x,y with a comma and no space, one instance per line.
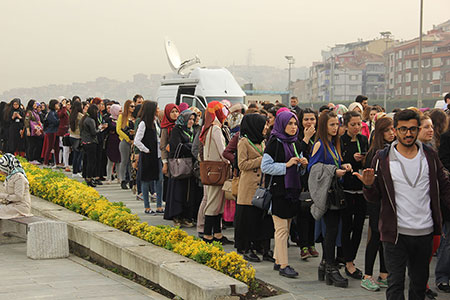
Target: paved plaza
68,278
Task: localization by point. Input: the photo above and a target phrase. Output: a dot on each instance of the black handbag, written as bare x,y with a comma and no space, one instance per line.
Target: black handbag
336,199
305,201
262,198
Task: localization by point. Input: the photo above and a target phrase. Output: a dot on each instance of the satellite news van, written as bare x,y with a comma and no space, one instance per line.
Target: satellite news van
194,85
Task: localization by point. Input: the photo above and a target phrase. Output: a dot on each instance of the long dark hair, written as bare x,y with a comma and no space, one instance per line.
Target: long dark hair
91,113
440,124
30,105
300,116
147,113
76,108
322,132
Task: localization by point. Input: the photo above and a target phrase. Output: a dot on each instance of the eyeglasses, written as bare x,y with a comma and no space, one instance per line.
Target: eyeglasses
404,129
132,106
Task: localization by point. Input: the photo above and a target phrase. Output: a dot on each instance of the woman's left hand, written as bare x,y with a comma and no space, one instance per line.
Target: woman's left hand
303,161
347,167
358,156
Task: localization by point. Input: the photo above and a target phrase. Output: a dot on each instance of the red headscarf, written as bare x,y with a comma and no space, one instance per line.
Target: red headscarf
167,122
214,110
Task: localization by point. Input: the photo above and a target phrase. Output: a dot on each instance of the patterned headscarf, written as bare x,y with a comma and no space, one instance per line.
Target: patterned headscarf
214,110
10,165
183,119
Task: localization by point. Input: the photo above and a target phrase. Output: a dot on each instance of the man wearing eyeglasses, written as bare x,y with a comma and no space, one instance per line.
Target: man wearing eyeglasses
409,180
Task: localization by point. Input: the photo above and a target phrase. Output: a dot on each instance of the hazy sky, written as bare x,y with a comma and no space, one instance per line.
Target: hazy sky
64,41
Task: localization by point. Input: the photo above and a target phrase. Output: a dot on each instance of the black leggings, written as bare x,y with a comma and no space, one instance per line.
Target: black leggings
331,219
373,246
89,163
353,216
212,225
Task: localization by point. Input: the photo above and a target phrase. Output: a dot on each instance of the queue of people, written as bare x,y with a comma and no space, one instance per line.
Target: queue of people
323,171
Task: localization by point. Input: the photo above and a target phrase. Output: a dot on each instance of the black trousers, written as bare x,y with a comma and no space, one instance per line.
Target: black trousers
374,246
413,252
353,216
303,225
331,218
89,160
34,147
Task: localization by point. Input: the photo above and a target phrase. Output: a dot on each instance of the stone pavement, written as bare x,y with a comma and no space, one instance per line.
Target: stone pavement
69,278
306,286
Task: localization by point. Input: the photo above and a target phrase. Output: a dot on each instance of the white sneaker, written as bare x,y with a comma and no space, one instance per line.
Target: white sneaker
76,175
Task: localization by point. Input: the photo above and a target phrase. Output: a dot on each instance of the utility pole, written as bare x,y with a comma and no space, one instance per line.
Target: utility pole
386,35
291,61
419,92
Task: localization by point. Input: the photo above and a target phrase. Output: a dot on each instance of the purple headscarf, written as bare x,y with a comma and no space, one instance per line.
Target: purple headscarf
292,178
183,106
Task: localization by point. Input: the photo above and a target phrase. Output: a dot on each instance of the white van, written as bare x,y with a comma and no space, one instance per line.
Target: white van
199,87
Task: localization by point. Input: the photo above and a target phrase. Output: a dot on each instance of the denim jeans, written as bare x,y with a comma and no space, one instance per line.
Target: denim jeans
442,271
157,185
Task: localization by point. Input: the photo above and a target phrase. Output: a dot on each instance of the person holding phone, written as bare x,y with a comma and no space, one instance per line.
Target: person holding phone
353,145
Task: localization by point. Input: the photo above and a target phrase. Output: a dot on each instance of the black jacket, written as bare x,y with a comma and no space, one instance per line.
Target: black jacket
351,182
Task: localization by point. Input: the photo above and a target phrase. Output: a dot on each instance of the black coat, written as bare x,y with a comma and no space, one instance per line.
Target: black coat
285,202
444,156
148,162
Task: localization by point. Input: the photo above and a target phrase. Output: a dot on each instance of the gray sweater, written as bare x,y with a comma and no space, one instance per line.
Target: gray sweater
320,177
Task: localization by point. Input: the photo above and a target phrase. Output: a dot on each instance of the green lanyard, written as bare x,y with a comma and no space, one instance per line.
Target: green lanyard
295,150
358,145
254,146
335,155
191,138
311,141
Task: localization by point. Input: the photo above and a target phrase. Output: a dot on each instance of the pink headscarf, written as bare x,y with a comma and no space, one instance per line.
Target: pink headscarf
282,109
183,106
115,109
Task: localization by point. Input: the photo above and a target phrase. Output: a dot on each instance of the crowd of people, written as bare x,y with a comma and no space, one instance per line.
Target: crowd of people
325,171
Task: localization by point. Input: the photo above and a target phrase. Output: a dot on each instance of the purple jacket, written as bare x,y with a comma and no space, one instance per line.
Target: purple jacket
383,190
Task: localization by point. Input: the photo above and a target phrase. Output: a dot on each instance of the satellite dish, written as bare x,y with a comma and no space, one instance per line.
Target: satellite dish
172,55
175,60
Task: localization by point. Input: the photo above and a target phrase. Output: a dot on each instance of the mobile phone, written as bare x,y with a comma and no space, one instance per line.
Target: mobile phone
363,153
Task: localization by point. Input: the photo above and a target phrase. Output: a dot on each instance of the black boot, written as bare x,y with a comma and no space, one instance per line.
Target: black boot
321,271
334,277
124,185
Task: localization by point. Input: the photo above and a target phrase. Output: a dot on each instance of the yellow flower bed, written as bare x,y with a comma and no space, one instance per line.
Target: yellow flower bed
58,188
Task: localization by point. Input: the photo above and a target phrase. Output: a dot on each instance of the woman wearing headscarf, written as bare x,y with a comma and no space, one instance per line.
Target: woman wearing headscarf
253,229
180,192
283,164
171,113
16,198
34,131
234,119
15,117
112,142
183,106
214,145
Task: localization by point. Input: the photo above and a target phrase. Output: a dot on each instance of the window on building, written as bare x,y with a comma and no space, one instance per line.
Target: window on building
399,66
353,87
399,78
436,88
426,63
408,64
428,90
436,62
415,63
408,77
414,91
354,77
428,76
336,77
391,81
400,54
415,77
408,90
436,75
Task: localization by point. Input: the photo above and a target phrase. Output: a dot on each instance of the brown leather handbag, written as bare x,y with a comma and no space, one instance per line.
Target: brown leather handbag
214,172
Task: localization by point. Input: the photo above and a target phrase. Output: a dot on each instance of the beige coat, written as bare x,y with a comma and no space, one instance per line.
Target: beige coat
17,191
249,162
213,150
